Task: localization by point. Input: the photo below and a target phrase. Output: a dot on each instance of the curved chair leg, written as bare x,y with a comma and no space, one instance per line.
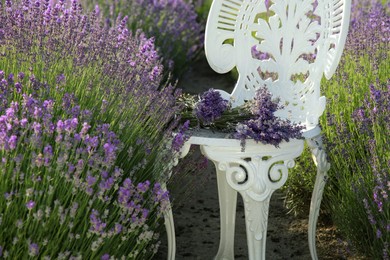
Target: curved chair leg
256,240
227,204
170,228
319,157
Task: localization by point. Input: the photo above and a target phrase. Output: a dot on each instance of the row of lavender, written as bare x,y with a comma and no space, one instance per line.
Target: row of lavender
357,134
174,25
85,117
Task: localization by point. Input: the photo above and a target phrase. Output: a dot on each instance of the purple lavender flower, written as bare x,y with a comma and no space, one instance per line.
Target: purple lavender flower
210,107
106,184
105,257
21,75
10,79
18,87
12,142
91,180
60,126
97,225
264,105
181,137
160,196
118,228
33,249
109,150
30,205
37,128
143,187
259,55
23,122
61,79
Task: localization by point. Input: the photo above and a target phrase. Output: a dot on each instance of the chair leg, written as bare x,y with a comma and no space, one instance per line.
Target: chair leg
256,240
170,229
227,204
319,157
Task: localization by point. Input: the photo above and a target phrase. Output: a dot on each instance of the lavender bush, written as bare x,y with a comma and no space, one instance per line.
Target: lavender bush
62,194
113,73
356,129
98,81
173,24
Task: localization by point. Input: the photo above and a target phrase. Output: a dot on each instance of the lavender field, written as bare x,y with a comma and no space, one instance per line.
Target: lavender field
89,107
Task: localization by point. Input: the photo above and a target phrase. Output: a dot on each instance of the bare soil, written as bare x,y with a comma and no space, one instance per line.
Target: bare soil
196,211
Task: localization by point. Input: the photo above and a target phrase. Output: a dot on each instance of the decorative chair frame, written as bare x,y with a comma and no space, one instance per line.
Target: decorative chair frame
286,46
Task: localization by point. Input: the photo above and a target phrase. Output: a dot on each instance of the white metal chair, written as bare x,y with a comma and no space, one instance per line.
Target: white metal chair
287,46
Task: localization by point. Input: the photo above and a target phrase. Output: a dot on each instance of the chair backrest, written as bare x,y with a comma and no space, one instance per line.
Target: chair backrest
285,45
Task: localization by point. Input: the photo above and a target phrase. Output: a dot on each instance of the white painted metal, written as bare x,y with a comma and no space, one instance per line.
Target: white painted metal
287,46
255,173
170,229
284,35
320,160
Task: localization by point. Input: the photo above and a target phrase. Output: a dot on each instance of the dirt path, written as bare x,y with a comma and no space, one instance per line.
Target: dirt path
196,210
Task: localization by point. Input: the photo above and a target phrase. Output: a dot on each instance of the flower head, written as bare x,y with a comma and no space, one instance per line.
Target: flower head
30,205
210,107
33,249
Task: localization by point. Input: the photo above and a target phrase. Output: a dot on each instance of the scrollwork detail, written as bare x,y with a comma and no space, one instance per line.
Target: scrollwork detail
240,175
223,166
290,163
277,175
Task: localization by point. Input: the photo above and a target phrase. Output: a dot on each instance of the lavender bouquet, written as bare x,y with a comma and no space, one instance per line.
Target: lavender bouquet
253,120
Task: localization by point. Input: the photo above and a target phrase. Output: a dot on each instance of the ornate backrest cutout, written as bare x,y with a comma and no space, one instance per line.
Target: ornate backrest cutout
286,45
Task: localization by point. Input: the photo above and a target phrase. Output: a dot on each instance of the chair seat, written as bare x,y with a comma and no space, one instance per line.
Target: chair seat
211,138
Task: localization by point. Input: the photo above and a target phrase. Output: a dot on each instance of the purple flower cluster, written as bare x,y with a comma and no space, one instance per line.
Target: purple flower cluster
369,32
265,127
180,137
210,107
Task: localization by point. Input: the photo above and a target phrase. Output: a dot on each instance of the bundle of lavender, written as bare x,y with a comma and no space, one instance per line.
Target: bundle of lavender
255,119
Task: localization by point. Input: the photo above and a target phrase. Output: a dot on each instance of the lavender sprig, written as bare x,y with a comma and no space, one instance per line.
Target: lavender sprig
265,127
